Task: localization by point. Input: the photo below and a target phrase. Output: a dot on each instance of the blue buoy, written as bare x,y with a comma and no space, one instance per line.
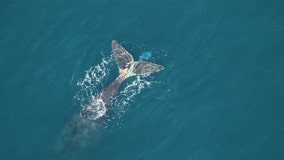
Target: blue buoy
145,56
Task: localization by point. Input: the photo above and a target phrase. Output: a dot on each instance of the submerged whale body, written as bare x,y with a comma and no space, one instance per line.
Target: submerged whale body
83,125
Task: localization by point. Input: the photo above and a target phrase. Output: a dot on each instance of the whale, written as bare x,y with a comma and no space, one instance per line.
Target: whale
82,128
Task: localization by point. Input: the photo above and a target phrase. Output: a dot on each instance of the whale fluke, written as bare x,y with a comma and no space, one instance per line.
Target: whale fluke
127,66
122,57
142,67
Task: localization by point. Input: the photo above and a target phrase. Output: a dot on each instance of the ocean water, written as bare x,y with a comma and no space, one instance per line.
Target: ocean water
219,97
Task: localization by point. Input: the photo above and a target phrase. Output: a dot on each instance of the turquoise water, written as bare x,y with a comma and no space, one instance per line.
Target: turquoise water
219,97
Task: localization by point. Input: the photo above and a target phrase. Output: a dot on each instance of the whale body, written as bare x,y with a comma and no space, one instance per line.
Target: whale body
79,132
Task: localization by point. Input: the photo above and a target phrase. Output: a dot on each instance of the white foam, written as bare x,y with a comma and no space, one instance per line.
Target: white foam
95,109
93,81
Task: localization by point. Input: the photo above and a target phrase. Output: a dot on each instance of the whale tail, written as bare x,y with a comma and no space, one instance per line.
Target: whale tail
128,67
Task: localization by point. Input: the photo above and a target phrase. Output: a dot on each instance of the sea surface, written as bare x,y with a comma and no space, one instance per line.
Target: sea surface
220,96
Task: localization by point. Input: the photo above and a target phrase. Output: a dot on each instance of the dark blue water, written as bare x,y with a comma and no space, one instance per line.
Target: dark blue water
219,97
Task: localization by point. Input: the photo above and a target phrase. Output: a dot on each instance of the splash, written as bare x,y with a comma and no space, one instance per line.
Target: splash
92,105
93,81
95,109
